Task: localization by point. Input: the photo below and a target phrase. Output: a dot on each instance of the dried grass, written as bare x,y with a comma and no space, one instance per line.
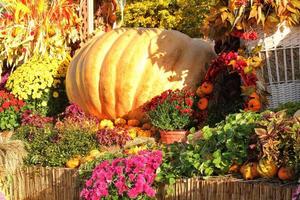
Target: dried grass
12,153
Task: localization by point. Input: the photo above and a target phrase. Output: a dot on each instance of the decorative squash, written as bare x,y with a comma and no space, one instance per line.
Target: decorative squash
202,103
133,122
115,73
249,171
285,173
73,163
120,122
267,168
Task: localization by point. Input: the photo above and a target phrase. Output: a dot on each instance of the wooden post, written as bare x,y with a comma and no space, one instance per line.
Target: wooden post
90,16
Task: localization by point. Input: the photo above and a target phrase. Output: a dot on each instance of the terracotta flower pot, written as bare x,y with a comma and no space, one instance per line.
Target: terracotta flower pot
169,137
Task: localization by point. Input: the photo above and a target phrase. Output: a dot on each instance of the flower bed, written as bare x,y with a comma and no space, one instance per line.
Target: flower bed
61,183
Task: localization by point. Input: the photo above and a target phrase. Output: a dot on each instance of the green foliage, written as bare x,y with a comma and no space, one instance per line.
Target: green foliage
40,82
167,117
228,142
47,147
290,107
182,15
172,110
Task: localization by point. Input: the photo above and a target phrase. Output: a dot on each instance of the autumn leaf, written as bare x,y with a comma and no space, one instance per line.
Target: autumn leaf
253,12
224,16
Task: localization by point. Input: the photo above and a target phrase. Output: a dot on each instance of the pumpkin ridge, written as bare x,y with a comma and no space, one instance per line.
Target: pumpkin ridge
148,68
81,74
144,59
114,36
91,74
108,72
122,68
76,71
133,64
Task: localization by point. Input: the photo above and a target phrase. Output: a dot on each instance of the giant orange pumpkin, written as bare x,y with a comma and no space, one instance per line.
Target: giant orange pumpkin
117,72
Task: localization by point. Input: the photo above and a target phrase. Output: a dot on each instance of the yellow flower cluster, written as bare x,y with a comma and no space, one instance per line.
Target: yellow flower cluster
34,78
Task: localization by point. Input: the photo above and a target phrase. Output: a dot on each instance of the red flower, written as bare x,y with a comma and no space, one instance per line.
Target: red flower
13,102
16,108
1,109
21,103
189,102
5,105
178,107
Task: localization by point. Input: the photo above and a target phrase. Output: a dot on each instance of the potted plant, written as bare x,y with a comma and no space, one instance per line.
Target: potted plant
171,112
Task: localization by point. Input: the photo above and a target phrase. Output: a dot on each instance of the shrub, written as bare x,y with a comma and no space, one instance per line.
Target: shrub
290,107
40,82
116,136
47,147
215,152
172,110
73,119
185,16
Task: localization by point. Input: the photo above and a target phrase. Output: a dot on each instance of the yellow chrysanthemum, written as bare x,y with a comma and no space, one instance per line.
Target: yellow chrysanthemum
55,94
44,103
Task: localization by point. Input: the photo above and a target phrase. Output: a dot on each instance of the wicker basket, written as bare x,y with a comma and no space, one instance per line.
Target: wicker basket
281,72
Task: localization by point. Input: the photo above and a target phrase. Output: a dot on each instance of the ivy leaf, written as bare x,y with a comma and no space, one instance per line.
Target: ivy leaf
207,133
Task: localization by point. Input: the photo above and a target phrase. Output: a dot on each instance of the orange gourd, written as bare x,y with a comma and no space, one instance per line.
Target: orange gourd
207,87
249,171
133,122
254,95
285,173
199,92
202,103
115,73
254,105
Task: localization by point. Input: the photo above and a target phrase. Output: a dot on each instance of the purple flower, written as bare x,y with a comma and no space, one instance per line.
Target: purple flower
4,79
132,193
2,196
149,191
296,194
130,177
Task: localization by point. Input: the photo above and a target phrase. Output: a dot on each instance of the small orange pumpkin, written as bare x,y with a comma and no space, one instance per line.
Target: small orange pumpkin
146,126
199,92
207,87
133,122
120,122
285,173
254,95
254,105
202,103
234,168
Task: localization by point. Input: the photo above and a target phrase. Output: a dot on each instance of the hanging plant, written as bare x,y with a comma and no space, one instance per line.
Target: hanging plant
241,17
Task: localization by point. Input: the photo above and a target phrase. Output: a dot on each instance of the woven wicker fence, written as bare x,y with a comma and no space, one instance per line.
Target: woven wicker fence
38,183
281,72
